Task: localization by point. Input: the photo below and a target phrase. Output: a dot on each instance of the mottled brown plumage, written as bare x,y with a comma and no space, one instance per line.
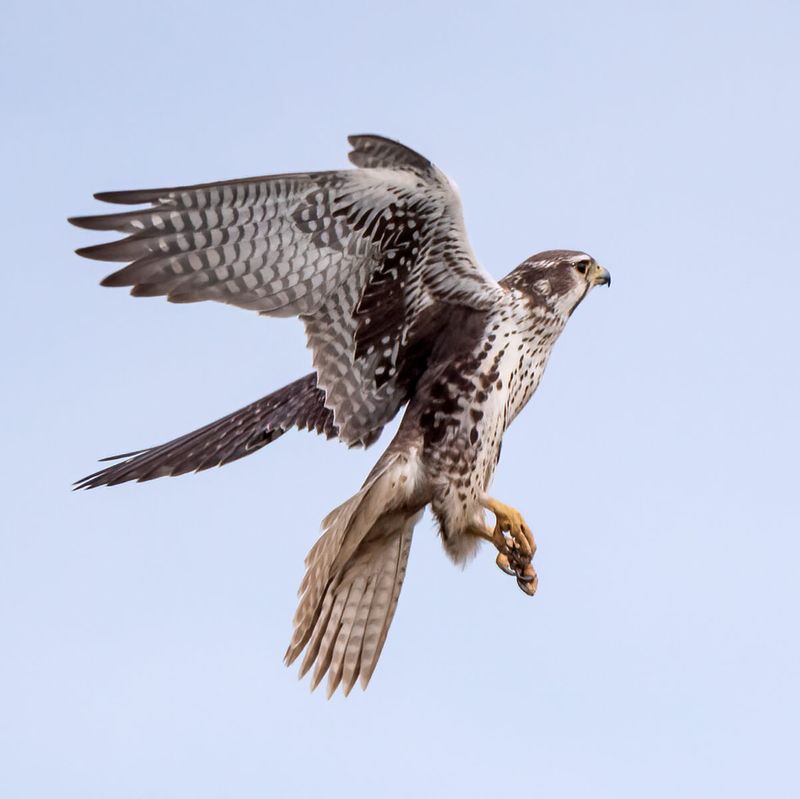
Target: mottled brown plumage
397,311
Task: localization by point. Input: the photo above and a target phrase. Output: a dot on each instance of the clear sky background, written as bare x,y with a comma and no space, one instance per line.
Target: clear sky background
142,628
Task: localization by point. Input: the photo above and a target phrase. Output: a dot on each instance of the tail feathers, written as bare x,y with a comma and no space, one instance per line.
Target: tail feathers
300,404
353,579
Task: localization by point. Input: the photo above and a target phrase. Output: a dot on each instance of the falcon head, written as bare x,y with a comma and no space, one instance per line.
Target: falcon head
559,279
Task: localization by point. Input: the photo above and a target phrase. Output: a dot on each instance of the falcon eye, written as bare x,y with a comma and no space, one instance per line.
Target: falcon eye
582,266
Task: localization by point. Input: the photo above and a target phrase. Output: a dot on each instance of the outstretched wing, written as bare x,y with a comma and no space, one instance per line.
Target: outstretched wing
301,404
358,254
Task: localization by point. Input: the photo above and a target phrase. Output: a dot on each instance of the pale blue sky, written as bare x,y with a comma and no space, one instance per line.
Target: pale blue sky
142,628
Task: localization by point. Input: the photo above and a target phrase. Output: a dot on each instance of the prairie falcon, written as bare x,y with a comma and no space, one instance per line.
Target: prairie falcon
398,313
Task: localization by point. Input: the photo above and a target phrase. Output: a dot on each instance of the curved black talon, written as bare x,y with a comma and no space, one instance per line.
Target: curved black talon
518,563
513,561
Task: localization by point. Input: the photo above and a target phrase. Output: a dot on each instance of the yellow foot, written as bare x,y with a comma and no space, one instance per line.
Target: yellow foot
514,550
509,520
520,567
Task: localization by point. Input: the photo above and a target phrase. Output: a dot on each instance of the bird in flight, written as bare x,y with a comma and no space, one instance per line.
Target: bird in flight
398,314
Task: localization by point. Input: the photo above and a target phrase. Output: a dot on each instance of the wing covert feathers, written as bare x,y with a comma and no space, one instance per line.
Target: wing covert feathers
359,254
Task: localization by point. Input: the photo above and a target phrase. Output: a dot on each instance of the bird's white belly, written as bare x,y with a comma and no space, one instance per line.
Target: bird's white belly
510,372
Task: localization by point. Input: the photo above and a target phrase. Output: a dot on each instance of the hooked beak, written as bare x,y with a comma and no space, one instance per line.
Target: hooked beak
599,276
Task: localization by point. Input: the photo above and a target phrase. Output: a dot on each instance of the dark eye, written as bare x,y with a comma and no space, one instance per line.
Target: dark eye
582,266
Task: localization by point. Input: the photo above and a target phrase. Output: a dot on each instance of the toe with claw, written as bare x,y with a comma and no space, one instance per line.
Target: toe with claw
515,544
509,520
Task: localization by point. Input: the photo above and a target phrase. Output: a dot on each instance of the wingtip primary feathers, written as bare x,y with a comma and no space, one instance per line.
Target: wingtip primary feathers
299,404
109,251
130,196
371,151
